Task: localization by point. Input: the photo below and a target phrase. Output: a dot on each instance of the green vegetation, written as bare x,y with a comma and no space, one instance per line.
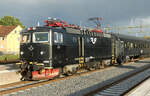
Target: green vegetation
10,21
8,57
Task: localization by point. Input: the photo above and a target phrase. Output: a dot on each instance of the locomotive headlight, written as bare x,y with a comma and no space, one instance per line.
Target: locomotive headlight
21,52
41,52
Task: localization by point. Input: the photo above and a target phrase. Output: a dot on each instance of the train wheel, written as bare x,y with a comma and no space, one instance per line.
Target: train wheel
119,60
102,65
23,74
26,76
98,66
123,59
74,70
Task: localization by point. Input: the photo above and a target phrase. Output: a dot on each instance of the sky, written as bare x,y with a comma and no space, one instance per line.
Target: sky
114,12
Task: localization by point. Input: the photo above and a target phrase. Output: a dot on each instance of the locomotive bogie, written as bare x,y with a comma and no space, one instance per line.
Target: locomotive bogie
70,68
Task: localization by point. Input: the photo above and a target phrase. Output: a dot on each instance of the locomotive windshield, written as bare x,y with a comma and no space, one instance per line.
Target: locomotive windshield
25,38
40,37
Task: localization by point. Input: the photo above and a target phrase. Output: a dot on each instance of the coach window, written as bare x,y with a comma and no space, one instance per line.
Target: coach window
146,45
131,44
125,45
135,46
139,46
128,44
142,45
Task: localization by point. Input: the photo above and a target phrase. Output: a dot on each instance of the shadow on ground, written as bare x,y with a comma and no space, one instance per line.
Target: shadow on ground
128,67
10,66
84,92
142,62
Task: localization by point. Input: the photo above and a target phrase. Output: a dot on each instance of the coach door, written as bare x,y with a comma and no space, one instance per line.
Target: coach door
81,50
115,50
121,48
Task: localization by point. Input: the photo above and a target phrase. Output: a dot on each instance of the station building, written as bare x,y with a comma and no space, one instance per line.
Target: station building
9,39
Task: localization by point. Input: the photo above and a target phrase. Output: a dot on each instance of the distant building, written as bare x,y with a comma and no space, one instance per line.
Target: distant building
10,39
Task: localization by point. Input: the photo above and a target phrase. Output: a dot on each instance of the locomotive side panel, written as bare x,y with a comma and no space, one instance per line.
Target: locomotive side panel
65,52
97,48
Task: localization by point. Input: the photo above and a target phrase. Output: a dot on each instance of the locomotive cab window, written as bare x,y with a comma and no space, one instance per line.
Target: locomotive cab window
58,37
40,37
25,38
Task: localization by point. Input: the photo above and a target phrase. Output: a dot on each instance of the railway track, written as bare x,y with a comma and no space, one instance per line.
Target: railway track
124,85
8,62
22,85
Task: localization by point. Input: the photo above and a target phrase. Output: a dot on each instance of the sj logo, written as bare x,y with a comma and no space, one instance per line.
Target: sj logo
93,40
30,48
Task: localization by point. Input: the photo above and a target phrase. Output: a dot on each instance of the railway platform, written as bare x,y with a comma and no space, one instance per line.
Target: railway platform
141,90
8,74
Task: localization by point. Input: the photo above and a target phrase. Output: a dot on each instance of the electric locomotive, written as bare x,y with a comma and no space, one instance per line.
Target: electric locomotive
60,48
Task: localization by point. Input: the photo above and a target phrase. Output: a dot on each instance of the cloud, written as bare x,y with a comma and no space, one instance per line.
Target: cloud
144,21
74,11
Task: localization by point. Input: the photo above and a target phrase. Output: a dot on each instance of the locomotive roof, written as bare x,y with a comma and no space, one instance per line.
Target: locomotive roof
77,31
67,30
40,29
47,28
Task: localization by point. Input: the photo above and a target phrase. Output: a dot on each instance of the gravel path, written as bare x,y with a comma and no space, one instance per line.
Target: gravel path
80,85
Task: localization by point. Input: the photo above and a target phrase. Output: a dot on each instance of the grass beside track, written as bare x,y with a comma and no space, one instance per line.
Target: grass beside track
6,58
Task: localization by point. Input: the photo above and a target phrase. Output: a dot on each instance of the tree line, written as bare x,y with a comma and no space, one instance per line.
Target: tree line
10,21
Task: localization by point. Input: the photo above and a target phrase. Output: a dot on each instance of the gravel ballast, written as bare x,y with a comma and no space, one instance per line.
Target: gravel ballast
80,85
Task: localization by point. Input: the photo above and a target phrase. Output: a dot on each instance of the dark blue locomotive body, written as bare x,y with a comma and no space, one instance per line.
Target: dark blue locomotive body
47,51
